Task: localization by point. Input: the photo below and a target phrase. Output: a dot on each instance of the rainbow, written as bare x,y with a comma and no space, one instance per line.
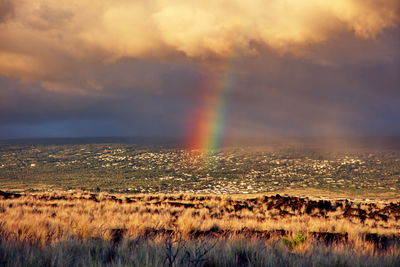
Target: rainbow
207,124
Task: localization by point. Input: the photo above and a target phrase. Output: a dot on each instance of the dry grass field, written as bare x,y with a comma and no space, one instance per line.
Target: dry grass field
78,228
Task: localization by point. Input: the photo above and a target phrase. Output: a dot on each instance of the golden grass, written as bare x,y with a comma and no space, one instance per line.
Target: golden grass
44,219
66,228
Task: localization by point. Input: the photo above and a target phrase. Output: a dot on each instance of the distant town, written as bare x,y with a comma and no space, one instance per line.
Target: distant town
150,169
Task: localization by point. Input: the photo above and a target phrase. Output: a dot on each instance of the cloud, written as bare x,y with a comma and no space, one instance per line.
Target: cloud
220,27
6,10
58,42
272,95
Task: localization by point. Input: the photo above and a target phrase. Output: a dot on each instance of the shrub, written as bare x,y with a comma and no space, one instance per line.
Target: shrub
292,243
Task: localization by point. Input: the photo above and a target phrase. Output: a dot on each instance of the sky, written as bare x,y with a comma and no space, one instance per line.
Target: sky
258,68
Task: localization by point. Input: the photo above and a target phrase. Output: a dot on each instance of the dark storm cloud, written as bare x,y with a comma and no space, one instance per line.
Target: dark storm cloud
141,68
271,95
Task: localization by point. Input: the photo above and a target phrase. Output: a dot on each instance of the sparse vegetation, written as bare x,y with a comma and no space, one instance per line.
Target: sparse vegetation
130,205
195,230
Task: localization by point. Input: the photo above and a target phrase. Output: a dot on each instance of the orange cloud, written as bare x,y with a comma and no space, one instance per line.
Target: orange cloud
49,40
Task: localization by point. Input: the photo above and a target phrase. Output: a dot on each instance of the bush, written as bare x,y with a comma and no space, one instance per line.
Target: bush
292,243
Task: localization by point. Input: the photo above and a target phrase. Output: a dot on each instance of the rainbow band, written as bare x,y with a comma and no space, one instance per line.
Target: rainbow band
210,121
